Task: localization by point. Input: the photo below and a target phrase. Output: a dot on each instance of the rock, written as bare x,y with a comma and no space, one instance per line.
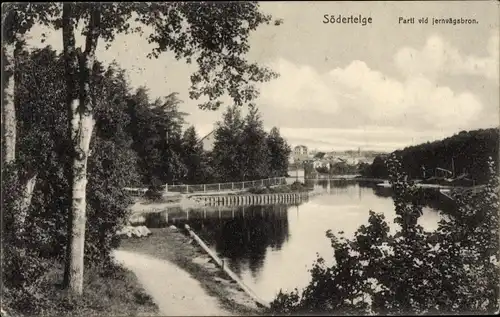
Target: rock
221,280
201,260
172,227
210,265
144,231
136,232
131,231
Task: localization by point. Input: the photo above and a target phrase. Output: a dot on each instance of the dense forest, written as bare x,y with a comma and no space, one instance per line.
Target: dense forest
465,153
155,144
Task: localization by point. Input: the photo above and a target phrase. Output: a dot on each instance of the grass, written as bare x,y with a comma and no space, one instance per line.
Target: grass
293,188
174,246
159,200
115,292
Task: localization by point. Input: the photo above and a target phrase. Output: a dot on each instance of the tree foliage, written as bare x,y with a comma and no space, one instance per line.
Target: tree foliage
451,270
156,129
216,36
194,158
226,153
61,98
255,162
43,146
243,150
279,151
469,151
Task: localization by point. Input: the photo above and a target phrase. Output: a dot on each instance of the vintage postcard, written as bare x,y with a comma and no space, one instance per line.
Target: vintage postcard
250,158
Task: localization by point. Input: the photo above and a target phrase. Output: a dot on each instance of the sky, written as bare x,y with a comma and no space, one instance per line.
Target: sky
381,86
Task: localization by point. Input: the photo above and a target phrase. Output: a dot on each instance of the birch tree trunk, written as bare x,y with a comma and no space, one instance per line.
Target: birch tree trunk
9,126
8,107
79,103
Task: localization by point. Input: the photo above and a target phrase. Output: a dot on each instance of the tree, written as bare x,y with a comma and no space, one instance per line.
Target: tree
217,35
451,270
255,162
42,145
227,152
465,154
17,20
193,156
319,155
156,129
279,152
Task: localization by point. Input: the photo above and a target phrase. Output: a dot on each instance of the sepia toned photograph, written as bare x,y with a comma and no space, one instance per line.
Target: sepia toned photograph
244,158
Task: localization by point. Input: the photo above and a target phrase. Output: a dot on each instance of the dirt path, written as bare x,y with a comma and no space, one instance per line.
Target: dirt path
174,290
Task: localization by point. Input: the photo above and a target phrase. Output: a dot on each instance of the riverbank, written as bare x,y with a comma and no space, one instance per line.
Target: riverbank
174,246
143,205
189,201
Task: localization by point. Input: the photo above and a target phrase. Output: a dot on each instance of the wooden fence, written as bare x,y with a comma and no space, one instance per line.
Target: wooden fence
215,187
218,187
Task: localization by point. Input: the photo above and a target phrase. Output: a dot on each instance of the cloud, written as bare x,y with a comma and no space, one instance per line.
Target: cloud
366,137
352,95
441,57
357,95
299,87
416,101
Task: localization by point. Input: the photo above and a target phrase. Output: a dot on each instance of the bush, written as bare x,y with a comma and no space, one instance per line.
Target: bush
259,190
153,194
452,270
298,186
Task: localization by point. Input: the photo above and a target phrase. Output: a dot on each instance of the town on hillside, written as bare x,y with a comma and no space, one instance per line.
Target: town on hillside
333,162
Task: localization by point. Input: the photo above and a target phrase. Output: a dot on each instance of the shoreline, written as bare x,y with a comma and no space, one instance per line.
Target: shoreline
190,201
230,274
178,248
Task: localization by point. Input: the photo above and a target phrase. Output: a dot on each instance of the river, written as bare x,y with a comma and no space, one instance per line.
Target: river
272,247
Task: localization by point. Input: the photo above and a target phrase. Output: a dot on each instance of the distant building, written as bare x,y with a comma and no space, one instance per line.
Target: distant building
208,141
317,163
300,154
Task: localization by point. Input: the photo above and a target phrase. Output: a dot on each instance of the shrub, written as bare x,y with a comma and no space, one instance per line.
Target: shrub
298,186
452,270
153,194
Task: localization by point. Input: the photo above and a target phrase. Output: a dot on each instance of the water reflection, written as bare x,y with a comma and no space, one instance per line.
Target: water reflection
271,247
246,237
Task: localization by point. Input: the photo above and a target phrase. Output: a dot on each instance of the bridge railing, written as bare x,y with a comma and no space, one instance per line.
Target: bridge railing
219,187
